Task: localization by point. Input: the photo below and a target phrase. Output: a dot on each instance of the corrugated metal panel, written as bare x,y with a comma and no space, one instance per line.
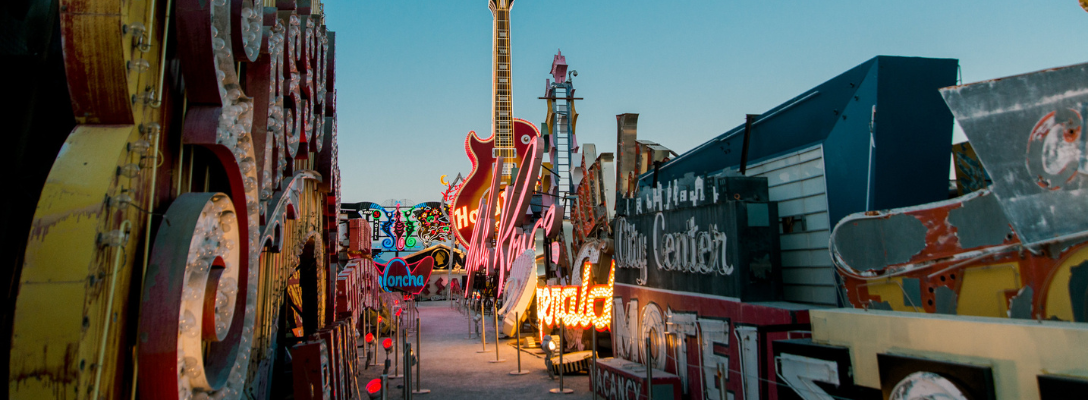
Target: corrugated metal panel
796,181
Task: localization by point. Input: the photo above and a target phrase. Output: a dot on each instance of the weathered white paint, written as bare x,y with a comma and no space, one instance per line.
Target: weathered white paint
797,182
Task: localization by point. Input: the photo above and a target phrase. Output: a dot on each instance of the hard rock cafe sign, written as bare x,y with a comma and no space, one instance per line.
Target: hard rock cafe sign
509,238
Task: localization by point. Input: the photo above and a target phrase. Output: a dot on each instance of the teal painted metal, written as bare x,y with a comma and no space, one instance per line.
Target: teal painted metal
896,98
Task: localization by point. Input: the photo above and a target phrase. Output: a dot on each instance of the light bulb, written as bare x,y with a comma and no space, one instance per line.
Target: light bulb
120,201
129,170
139,64
139,147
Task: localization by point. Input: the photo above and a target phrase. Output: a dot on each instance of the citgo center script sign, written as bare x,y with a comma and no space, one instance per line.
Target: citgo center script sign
710,235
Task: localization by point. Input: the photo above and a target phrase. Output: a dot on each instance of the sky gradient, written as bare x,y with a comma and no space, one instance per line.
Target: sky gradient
414,77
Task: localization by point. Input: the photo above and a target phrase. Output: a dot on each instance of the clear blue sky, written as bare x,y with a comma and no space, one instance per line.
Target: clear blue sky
413,76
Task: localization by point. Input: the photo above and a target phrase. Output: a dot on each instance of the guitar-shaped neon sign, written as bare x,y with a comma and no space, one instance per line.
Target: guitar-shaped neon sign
509,136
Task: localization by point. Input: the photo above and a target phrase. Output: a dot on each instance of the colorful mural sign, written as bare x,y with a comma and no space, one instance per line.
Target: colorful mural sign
403,229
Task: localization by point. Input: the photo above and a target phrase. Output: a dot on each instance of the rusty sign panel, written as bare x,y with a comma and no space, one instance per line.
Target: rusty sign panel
709,235
1027,131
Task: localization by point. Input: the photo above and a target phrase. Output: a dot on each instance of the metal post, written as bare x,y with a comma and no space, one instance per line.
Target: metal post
748,121
517,330
385,380
396,348
593,368
562,335
495,313
407,392
469,317
483,329
419,360
377,339
649,371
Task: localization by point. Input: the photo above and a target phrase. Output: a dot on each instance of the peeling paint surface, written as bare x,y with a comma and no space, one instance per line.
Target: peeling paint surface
980,222
872,244
1027,130
66,273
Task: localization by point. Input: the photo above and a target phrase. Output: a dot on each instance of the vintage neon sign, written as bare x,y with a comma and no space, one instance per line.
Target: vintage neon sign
510,238
692,250
464,210
400,276
576,305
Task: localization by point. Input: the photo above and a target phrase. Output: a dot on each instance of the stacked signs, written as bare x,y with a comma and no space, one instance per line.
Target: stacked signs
691,256
349,293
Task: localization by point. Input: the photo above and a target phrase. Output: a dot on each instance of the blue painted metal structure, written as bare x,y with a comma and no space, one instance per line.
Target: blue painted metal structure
912,133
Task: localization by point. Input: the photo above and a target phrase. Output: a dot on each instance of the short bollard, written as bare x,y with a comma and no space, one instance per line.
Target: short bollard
649,371
377,339
397,342
483,330
385,380
517,339
593,368
562,335
495,313
468,316
418,362
407,391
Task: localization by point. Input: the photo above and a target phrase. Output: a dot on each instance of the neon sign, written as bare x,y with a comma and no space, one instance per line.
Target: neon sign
512,240
400,276
576,306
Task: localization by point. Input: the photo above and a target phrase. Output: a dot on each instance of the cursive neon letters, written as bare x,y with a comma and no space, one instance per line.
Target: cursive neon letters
574,305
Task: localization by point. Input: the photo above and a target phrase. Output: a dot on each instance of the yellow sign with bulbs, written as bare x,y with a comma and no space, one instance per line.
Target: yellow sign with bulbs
576,306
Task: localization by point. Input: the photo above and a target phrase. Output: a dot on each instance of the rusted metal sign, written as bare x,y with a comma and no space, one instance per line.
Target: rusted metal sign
1027,130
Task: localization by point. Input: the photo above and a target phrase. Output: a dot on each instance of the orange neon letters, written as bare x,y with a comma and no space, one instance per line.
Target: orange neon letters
575,305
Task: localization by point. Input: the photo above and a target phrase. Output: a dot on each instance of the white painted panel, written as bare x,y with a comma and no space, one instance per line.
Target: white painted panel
804,240
792,207
822,258
816,203
808,276
813,186
796,181
806,258
796,258
819,239
793,241
810,294
817,221
786,191
812,154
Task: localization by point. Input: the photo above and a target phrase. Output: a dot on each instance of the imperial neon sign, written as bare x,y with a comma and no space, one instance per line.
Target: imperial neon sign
576,306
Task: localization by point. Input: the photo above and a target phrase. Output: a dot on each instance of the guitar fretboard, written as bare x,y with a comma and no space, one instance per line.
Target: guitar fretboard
502,105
